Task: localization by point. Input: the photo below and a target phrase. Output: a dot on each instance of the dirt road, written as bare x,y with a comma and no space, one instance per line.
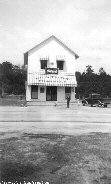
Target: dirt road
55,120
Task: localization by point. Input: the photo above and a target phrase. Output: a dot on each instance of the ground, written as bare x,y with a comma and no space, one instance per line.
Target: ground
55,144
56,158
40,119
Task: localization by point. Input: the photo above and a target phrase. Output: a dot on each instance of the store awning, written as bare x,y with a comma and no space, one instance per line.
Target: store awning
51,79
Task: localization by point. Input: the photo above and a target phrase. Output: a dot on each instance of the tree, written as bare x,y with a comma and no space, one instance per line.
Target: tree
90,82
102,71
12,78
78,76
89,70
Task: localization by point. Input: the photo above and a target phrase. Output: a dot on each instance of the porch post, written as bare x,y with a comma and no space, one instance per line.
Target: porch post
28,93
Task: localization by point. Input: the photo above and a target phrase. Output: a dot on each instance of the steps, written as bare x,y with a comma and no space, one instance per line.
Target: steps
41,103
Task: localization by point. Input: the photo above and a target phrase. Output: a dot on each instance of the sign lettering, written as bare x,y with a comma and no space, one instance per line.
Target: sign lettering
51,70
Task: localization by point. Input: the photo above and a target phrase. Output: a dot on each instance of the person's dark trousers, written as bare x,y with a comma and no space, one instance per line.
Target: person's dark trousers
67,103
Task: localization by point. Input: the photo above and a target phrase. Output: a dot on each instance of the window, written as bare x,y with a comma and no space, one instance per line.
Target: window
43,64
67,89
60,64
41,89
67,92
34,92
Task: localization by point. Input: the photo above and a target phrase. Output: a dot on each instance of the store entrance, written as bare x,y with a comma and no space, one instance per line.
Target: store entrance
51,93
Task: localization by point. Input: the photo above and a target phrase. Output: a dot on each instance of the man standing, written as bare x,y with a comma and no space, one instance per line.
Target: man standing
68,100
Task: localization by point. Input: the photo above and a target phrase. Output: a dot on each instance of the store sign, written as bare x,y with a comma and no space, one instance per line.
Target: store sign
51,70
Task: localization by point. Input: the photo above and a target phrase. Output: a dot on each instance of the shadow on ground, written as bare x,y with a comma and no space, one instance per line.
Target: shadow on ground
57,159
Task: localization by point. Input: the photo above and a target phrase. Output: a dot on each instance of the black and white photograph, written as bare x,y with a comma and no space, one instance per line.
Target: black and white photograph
55,92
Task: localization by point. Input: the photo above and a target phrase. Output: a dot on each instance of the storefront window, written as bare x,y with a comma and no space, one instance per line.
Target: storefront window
34,92
67,92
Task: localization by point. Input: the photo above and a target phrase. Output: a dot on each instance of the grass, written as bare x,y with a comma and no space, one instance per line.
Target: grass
57,159
12,102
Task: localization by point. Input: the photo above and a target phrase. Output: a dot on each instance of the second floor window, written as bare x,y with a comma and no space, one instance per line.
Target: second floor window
60,64
43,64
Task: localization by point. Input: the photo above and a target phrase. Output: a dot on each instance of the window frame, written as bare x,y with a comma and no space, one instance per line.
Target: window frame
34,89
45,61
58,62
67,92
42,89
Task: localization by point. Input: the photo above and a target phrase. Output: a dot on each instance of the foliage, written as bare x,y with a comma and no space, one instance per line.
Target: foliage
89,70
90,82
12,79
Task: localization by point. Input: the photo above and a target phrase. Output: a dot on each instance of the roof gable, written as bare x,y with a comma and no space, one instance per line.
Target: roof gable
46,41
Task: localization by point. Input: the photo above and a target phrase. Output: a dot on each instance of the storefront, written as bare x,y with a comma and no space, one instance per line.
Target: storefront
51,87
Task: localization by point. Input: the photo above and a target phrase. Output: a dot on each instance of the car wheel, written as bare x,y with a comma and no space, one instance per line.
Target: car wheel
105,105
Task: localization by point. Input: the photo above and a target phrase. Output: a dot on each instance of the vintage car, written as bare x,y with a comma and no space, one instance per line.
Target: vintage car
94,100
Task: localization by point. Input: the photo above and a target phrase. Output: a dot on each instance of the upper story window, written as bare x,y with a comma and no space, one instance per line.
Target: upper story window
43,63
60,64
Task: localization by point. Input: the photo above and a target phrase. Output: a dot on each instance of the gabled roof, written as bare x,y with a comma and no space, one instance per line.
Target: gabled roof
58,41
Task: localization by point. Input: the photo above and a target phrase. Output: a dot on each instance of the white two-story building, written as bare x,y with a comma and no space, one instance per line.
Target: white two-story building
51,69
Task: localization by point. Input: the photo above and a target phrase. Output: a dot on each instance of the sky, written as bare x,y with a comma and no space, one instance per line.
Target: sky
83,25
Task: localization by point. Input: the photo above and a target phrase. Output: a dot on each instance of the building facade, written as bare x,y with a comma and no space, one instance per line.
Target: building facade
51,70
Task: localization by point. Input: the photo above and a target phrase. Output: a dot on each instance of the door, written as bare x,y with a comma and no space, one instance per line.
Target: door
51,93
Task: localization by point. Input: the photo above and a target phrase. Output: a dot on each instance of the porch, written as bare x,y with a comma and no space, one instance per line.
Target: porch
50,94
